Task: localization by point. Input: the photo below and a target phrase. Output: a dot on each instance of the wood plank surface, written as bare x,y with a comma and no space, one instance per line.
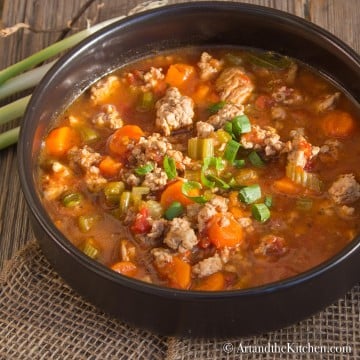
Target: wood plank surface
49,20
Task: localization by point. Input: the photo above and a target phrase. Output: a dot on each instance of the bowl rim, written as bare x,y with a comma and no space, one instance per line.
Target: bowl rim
28,184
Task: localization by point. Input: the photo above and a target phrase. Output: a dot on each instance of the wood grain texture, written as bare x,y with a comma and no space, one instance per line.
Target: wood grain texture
342,18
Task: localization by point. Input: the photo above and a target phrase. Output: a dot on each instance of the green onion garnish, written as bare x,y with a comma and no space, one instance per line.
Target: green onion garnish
268,201
214,108
218,182
169,167
72,199
238,163
260,212
228,127
143,170
255,159
231,150
250,194
174,210
240,125
186,189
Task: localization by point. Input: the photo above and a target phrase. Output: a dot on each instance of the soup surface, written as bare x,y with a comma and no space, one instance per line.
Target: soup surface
206,169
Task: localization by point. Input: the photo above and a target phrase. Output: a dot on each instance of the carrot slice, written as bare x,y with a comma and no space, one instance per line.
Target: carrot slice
60,140
224,231
173,193
338,124
177,74
119,140
213,282
109,167
177,272
287,186
127,268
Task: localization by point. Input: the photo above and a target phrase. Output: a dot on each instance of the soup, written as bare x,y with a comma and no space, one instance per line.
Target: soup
206,169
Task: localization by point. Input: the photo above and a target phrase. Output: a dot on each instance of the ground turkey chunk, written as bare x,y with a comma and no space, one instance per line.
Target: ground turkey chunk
215,205
209,66
345,190
180,236
266,139
103,89
204,129
234,85
300,150
226,113
174,111
108,117
208,266
155,180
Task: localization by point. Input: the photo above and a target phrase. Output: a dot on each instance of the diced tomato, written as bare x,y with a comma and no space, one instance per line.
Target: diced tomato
141,223
264,102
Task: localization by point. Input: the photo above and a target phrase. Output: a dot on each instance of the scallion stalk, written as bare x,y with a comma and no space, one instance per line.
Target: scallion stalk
9,137
51,51
13,110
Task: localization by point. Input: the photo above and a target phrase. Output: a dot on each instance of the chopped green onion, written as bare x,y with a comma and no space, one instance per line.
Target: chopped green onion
231,150
145,169
189,186
218,182
124,201
204,180
255,159
169,167
250,194
72,199
214,161
304,204
146,102
260,212
214,108
228,127
240,125
238,163
174,210
86,222
268,201
90,248
113,190
199,149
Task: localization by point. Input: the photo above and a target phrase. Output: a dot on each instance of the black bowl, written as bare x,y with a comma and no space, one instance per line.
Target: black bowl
169,311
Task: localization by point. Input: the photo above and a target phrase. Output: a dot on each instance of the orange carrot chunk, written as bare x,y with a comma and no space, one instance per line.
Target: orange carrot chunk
213,282
127,268
287,186
60,140
338,124
119,140
177,272
173,193
109,167
224,231
177,74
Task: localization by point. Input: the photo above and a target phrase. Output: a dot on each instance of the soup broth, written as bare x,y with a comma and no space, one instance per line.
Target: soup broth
206,169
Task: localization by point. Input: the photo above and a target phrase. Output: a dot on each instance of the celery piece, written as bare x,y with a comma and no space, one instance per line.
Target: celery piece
113,190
